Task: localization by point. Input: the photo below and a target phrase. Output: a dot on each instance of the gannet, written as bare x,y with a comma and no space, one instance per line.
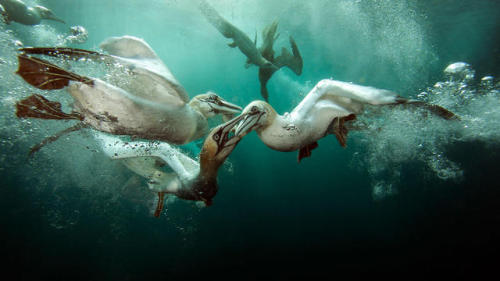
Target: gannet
293,62
149,103
190,179
240,39
18,11
325,110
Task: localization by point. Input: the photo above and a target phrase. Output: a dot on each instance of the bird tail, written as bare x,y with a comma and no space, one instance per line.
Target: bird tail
432,108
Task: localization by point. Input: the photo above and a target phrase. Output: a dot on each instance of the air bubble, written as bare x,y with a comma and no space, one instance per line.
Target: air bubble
459,72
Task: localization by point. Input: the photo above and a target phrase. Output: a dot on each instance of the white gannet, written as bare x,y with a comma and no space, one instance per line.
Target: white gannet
149,103
240,39
190,180
323,111
18,11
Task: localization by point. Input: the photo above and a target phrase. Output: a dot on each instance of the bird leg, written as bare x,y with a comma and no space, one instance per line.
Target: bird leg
159,205
56,136
339,129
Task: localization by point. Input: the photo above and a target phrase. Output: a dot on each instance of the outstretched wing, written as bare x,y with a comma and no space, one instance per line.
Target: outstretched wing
116,148
269,36
150,78
222,25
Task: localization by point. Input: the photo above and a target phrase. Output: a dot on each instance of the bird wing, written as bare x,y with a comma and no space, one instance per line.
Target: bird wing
116,148
292,61
222,25
269,36
344,96
149,78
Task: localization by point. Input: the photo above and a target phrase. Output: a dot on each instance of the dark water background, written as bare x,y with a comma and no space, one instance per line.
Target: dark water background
70,213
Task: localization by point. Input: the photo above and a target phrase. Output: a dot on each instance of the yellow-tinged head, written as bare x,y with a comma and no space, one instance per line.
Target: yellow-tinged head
258,115
217,147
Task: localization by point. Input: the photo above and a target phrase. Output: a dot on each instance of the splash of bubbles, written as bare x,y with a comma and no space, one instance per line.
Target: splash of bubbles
401,135
77,34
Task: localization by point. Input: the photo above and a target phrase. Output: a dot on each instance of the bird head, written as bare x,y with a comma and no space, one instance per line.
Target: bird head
256,116
219,143
46,13
210,104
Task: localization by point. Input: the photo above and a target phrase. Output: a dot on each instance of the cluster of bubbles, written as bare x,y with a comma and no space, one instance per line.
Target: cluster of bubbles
77,35
402,135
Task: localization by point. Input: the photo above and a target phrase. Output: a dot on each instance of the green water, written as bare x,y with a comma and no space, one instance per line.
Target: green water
410,197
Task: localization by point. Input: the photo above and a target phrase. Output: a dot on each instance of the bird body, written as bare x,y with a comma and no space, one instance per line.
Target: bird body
240,39
326,109
148,103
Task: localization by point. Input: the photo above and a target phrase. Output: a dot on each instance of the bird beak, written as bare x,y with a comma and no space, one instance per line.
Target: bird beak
54,18
223,131
249,120
225,107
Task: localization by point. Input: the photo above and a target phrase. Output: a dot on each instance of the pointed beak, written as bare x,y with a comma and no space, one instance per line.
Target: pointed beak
249,120
223,131
54,18
225,107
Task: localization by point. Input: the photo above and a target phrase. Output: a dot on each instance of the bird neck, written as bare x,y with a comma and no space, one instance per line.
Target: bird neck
275,122
204,186
201,122
194,104
209,167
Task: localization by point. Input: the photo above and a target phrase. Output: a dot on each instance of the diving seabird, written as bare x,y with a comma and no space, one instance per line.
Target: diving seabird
292,61
18,11
240,39
263,57
148,104
326,109
190,179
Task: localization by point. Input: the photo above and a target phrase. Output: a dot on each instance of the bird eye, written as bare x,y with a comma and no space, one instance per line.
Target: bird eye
254,109
213,97
216,137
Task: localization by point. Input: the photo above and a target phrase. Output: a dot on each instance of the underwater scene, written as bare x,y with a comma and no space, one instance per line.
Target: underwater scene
250,139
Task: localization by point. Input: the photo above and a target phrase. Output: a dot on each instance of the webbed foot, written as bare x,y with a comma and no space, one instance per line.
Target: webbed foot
37,106
46,76
306,151
338,128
